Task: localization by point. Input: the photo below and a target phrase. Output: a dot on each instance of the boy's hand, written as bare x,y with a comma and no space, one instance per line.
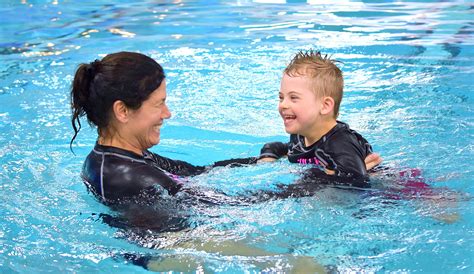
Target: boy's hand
266,159
372,160
329,171
272,151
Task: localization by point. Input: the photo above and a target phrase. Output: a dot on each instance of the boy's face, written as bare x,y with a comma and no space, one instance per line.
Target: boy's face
299,107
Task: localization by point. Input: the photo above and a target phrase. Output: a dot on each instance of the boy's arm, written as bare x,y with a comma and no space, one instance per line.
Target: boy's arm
346,157
273,151
372,160
347,164
354,154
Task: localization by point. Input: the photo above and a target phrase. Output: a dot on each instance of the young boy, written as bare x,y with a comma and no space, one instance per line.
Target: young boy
310,95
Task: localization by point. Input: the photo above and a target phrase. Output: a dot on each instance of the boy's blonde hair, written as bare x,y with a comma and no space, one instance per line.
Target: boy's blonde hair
322,70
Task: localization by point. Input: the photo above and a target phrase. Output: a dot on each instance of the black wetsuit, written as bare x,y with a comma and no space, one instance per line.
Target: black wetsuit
114,174
342,150
143,188
147,192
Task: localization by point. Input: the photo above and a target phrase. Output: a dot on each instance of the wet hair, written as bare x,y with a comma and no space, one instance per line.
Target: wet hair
126,76
323,71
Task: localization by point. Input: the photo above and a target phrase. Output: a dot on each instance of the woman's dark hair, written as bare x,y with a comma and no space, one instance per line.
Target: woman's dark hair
126,76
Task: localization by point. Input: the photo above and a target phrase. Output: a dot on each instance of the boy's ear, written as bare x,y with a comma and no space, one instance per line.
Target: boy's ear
327,105
121,111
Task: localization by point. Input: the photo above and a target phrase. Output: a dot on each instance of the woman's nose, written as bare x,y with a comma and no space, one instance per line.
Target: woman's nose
166,112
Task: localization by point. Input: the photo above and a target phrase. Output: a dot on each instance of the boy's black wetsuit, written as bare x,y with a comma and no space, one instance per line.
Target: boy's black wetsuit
341,149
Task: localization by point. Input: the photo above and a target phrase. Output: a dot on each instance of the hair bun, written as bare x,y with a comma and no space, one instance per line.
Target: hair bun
93,67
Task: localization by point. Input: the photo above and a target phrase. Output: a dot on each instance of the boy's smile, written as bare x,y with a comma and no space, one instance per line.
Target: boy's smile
287,119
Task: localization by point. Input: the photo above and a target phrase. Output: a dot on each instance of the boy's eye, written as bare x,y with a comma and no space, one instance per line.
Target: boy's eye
293,97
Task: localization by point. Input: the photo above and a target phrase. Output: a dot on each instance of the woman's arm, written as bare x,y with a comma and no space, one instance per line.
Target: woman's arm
182,168
372,160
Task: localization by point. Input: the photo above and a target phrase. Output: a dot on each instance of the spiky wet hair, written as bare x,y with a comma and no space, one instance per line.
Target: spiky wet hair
322,70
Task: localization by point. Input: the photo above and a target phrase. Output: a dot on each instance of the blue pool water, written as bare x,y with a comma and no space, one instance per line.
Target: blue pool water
408,70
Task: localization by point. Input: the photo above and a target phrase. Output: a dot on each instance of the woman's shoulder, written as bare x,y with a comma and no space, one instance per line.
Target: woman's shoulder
114,173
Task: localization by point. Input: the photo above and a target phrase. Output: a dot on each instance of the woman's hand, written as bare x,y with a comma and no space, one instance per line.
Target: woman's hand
372,160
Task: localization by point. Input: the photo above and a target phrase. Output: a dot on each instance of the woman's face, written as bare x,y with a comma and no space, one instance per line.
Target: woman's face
145,123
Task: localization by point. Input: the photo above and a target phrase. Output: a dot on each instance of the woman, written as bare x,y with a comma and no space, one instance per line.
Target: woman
124,95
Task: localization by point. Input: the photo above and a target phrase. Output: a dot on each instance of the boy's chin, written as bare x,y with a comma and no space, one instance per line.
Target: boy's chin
290,131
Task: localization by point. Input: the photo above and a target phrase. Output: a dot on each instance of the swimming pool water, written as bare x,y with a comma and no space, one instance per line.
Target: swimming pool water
408,70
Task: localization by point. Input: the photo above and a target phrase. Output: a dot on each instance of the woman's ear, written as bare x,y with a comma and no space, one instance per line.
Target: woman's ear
327,105
121,111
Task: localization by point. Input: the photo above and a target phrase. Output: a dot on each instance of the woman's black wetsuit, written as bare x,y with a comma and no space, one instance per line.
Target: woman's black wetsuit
114,174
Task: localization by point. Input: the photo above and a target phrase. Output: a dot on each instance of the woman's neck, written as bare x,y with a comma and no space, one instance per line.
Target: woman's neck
115,140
